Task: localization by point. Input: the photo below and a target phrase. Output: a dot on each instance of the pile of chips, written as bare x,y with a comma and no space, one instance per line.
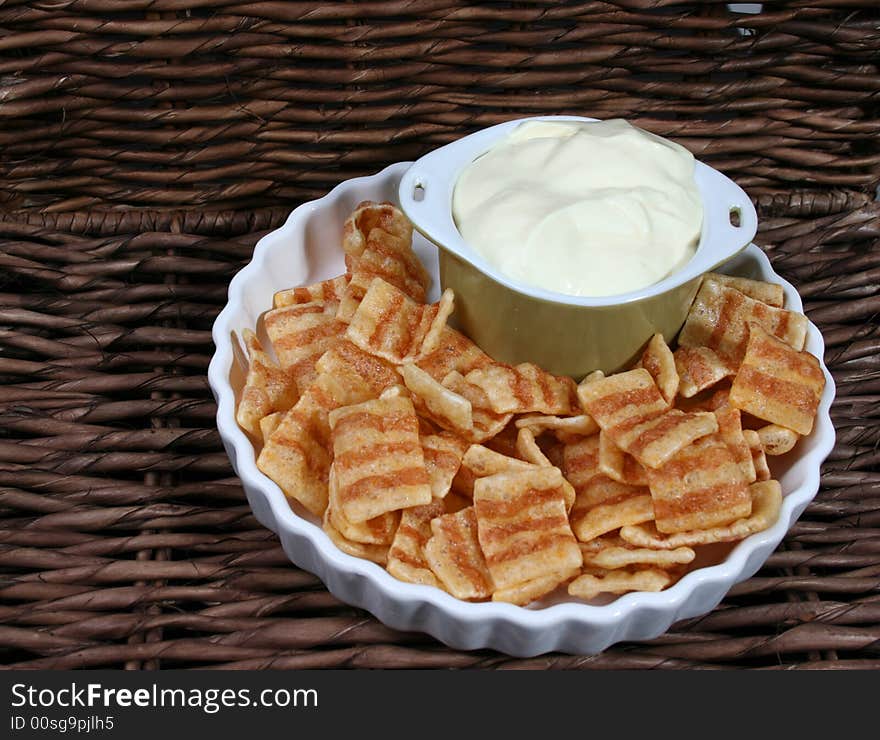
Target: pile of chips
421,453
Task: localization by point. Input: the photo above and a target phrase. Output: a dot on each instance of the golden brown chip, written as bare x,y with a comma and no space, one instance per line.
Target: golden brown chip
296,457
377,458
444,407
759,459
300,334
267,387
582,425
391,326
720,316
486,423
699,368
580,461
731,431
657,359
618,465
376,553
377,531
347,375
611,552
777,440
629,408
524,593
370,215
522,526
327,291
769,293
620,581
406,558
778,384
454,353
442,453
524,388
454,555
766,503
269,424
530,451
603,505
701,486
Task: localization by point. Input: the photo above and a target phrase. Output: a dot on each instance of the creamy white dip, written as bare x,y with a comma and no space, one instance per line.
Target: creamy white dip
586,209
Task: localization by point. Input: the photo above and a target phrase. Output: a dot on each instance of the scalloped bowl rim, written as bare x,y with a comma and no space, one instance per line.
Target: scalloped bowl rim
535,624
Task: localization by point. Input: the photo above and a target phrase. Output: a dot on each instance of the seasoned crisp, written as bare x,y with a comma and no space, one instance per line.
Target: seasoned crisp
269,424
766,503
406,558
486,423
619,581
610,551
701,486
368,216
442,453
524,593
327,291
377,531
581,425
759,459
731,431
522,526
376,553
525,388
347,375
300,334
267,387
630,409
390,325
296,457
603,505
441,405
378,459
720,316
454,555
619,465
699,368
770,293
454,353
529,450
778,384
658,360
777,440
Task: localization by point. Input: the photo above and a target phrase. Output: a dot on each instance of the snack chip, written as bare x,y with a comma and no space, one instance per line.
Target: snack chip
604,505
777,383
269,424
524,388
581,425
524,593
406,557
376,553
296,457
327,291
699,368
377,458
370,215
759,459
300,335
443,453
454,352
377,531
486,423
454,555
347,375
766,503
434,400
629,408
619,465
523,527
619,581
702,486
390,325
770,293
610,552
658,360
731,431
267,387
777,440
720,316
530,451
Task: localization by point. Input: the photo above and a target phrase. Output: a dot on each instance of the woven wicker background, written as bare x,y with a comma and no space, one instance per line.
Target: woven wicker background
145,146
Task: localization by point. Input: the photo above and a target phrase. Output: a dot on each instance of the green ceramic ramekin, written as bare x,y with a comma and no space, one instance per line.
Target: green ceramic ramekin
567,335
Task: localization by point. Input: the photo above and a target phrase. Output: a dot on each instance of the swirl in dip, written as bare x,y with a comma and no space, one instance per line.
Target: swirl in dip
582,208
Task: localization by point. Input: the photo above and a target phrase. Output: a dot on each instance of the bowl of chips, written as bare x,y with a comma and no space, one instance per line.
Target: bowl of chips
503,506
518,322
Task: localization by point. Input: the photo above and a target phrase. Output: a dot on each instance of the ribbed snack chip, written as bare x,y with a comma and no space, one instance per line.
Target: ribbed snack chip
770,293
619,581
699,368
454,556
658,360
267,387
610,551
327,291
525,388
406,557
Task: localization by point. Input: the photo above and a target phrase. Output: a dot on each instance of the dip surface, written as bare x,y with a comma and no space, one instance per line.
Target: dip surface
586,209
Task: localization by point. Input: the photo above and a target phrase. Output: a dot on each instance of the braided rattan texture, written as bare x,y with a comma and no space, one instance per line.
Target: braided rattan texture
145,146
